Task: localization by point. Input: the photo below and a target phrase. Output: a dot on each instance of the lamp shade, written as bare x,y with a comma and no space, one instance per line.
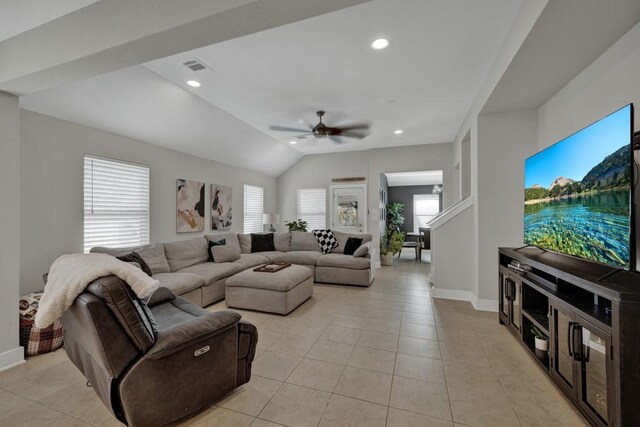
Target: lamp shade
270,218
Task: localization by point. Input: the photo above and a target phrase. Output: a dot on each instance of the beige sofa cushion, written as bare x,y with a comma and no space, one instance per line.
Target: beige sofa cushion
152,254
245,243
282,241
230,238
251,260
271,255
211,272
225,253
299,257
179,283
343,261
185,253
343,237
301,241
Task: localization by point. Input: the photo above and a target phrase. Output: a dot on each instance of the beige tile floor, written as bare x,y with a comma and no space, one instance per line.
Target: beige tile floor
385,355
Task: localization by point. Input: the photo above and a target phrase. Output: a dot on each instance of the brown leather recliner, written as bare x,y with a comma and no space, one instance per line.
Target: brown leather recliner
154,364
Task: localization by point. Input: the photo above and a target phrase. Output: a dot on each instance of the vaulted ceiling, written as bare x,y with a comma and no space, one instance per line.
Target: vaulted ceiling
423,84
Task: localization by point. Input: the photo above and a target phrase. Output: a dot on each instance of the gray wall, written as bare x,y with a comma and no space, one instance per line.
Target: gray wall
606,85
404,195
10,219
51,194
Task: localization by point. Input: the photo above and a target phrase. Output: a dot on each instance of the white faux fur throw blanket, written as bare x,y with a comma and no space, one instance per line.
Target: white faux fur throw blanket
70,274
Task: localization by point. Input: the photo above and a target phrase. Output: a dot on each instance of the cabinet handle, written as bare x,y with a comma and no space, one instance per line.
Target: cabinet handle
570,339
577,342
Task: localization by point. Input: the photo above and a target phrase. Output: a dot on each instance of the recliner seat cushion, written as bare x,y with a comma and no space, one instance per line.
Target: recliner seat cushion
211,272
344,261
179,283
185,253
300,257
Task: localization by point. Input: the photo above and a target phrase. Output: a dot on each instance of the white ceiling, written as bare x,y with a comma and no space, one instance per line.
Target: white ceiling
18,16
403,179
424,83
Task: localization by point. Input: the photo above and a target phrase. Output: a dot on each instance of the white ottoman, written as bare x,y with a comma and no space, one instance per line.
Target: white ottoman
280,292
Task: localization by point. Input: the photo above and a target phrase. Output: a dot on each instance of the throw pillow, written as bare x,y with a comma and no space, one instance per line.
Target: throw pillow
220,242
326,239
262,243
135,257
352,244
362,251
227,253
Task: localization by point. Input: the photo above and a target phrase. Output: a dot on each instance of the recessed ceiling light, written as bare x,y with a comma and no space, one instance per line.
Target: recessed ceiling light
293,142
380,44
398,131
194,83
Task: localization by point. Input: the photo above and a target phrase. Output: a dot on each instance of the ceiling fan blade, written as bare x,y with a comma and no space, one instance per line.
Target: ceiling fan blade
355,126
336,139
348,134
288,129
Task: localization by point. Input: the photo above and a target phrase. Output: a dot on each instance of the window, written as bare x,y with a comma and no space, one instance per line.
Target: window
253,208
425,208
312,207
116,203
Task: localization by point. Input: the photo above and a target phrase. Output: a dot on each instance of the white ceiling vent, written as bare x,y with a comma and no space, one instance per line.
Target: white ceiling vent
196,65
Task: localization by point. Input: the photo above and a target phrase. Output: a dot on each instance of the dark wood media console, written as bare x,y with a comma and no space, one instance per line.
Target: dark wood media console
592,324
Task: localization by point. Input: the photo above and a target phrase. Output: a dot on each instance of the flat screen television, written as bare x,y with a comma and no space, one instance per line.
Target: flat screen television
579,193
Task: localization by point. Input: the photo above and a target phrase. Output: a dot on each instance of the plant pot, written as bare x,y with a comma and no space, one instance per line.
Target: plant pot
542,344
386,259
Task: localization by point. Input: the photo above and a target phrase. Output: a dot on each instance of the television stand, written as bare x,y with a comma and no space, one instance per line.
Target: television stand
615,272
592,327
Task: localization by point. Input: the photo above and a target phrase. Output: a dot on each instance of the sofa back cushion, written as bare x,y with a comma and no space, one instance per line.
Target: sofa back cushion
301,241
230,238
152,254
185,253
245,243
225,253
282,241
343,237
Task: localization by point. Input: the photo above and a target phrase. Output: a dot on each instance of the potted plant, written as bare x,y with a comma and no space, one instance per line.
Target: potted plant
298,225
393,239
541,340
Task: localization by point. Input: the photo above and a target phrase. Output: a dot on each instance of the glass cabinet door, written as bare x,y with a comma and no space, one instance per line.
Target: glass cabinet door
564,366
594,366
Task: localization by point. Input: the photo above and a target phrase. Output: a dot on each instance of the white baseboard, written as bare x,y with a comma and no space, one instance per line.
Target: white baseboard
485,304
478,304
452,294
11,358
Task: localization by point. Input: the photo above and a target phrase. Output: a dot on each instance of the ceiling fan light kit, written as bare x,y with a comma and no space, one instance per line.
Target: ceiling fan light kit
321,131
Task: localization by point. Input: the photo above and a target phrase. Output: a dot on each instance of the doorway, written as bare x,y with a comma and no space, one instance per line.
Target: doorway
348,208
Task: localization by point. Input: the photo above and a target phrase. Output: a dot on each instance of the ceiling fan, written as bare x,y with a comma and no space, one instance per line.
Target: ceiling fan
358,130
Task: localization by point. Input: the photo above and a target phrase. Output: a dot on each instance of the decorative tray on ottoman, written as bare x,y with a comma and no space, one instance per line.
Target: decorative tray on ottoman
272,267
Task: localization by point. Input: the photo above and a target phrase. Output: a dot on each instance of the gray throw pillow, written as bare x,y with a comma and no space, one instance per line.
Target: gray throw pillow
363,250
227,253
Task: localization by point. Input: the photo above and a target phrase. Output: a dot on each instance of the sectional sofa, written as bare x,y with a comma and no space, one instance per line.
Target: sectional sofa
183,266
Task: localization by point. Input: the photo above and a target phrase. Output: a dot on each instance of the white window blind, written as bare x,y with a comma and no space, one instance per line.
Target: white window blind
116,203
425,208
312,207
253,208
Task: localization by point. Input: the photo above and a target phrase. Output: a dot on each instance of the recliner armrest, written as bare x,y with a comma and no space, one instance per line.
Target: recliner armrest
183,334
